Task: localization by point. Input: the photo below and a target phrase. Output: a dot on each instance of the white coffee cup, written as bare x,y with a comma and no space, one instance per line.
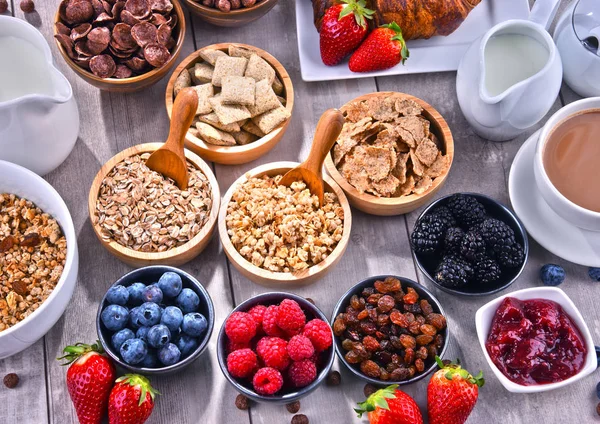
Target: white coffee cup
575,214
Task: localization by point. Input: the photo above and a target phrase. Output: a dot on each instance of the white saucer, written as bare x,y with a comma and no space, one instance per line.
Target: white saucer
547,228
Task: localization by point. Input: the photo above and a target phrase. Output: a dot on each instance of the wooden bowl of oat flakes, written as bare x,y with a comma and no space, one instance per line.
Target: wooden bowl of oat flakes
315,237
143,218
246,99
38,258
394,153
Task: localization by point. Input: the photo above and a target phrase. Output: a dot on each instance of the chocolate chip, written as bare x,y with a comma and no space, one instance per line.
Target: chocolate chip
334,378
293,407
300,419
598,408
242,402
369,389
11,380
3,6
27,6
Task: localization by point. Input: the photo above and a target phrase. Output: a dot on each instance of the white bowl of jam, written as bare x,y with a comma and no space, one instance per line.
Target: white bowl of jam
535,340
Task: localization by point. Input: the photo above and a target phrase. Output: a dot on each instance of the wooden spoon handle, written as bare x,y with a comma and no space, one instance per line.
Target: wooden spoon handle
184,110
328,129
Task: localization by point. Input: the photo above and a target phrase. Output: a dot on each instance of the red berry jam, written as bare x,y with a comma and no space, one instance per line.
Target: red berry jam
535,342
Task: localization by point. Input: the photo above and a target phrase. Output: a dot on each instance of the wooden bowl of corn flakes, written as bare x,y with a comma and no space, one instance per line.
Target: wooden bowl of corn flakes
240,116
256,246
393,155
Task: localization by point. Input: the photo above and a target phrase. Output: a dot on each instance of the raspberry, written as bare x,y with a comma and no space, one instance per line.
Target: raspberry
302,373
268,323
273,352
299,348
257,313
267,381
242,363
290,317
240,327
232,346
319,333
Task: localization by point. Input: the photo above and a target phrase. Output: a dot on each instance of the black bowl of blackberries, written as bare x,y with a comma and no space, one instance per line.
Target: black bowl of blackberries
155,320
469,244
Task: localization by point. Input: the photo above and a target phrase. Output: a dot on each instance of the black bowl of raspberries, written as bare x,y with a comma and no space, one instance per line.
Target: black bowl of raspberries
275,348
469,244
155,320
389,330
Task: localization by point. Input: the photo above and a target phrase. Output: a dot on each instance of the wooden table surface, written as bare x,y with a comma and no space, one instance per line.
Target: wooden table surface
379,245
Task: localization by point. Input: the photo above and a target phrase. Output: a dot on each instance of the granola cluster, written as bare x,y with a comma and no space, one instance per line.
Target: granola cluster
283,229
33,251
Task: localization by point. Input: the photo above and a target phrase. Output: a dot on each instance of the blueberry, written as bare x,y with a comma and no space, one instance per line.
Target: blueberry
133,351
552,275
598,390
194,324
152,294
117,295
142,333
115,317
172,318
187,301
170,284
134,318
149,314
150,360
594,274
158,336
187,344
120,337
169,354
136,291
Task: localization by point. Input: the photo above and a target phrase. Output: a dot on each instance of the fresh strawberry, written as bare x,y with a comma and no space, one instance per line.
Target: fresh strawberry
390,406
452,394
343,29
89,380
384,48
131,400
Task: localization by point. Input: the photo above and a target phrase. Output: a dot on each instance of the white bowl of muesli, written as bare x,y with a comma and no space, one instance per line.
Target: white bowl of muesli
38,258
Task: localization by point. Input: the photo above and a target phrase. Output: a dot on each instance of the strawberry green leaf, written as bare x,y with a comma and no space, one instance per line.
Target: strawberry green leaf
454,369
377,400
358,9
136,380
76,351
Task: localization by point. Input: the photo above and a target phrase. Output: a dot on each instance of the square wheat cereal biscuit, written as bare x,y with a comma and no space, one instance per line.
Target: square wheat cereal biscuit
205,92
243,137
228,114
252,129
277,86
213,119
214,136
270,120
226,65
259,69
427,152
266,99
238,90
211,56
202,73
238,51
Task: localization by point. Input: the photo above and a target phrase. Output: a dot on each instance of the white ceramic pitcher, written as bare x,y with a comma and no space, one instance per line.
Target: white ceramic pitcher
37,131
505,115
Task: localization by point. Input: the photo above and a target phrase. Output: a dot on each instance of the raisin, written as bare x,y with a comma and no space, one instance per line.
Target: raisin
380,336
411,371
389,285
395,330
396,342
439,341
371,344
426,307
386,329
399,296
437,320
386,303
412,307
408,342
368,327
432,351
31,240
428,330
409,317
352,335
414,327
391,367
422,353
396,359
385,376
347,344
411,296
6,244
420,319
355,303
383,319
360,350
409,356
339,327
424,340
370,369
350,317
367,291
374,298
352,357
363,314
419,365
386,345
383,357
373,314
399,319
400,374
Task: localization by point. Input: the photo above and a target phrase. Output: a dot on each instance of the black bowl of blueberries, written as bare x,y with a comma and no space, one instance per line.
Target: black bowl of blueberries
469,244
155,320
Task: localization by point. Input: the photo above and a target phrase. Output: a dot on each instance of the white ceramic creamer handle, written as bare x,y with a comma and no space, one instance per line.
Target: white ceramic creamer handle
543,12
595,32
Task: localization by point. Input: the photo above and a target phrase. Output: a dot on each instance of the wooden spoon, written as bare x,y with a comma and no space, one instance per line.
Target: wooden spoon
328,129
170,160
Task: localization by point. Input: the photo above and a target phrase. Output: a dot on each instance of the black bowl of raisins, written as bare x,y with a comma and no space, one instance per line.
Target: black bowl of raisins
389,329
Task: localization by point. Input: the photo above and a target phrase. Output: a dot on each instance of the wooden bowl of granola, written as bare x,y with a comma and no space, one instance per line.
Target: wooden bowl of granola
238,153
404,151
259,274
233,18
144,220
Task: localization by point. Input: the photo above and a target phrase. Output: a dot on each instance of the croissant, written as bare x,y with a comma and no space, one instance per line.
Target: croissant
417,18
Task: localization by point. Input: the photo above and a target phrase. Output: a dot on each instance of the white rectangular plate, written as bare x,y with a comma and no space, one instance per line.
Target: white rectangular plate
434,55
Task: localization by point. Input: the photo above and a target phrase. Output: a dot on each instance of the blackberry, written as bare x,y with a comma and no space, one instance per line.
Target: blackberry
445,213
427,236
512,256
453,240
472,247
453,272
467,210
497,235
487,271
